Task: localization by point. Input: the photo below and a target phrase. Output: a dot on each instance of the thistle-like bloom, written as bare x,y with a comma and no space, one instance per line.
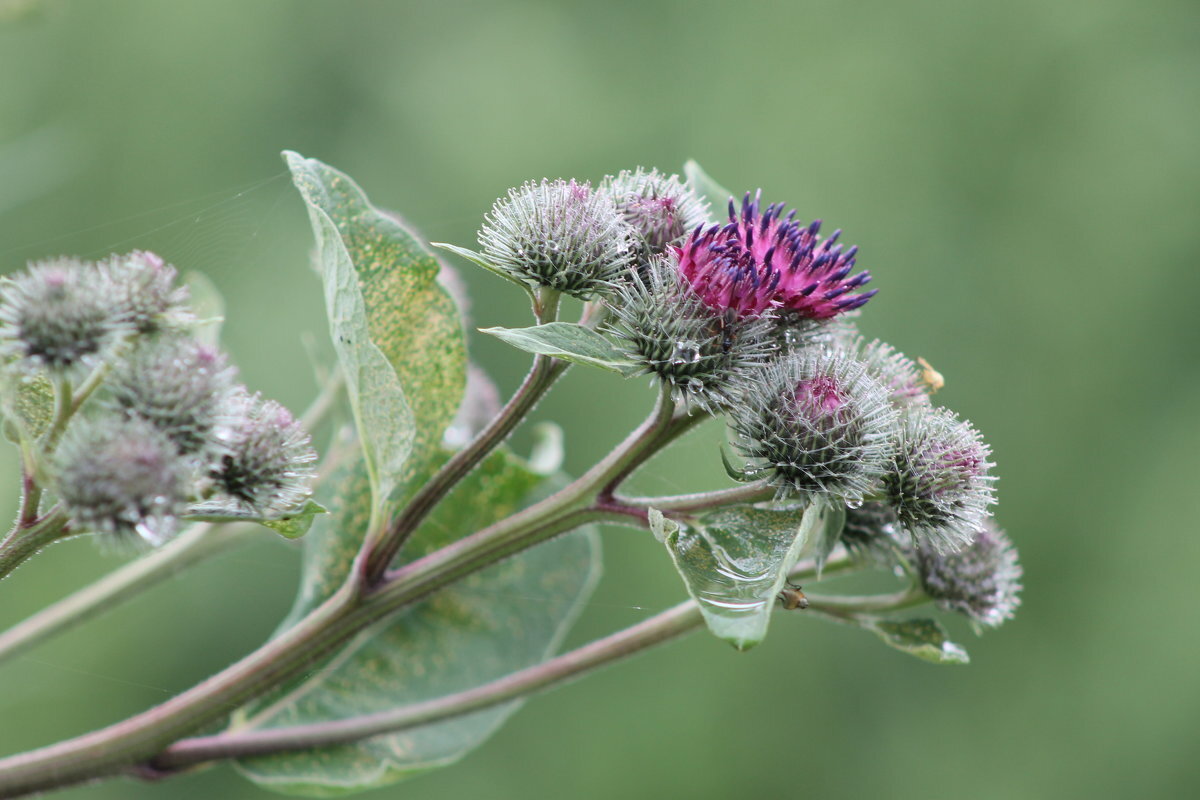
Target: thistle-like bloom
58,315
870,531
182,387
122,475
939,485
660,209
559,234
145,293
981,580
267,466
764,260
893,369
818,424
673,334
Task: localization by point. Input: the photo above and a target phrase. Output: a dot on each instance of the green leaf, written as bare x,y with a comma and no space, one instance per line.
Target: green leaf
570,342
505,618
395,329
924,638
204,298
716,194
735,561
28,405
290,524
479,260
826,534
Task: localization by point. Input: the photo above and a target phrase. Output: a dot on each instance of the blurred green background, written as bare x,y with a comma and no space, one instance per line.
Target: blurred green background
1022,180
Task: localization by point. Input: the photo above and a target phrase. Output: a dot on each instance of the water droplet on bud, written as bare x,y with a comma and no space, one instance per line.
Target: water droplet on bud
685,353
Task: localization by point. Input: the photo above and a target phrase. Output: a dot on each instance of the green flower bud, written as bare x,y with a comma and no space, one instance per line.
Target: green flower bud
982,580
660,209
558,234
673,334
939,485
58,315
818,425
182,387
123,476
145,293
267,466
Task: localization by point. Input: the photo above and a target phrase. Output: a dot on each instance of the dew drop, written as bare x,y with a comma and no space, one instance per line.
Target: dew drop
855,503
685,353
695,386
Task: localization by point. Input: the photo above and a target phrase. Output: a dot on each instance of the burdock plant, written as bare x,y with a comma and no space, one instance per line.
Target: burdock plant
397,655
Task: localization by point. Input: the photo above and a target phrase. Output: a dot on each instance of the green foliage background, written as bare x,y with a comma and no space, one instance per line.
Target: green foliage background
1022,180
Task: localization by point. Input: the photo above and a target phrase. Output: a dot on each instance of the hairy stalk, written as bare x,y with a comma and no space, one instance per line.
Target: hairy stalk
351,609
64,407
663,627
855,605
756,492
194,545
26,540
89,386
542,375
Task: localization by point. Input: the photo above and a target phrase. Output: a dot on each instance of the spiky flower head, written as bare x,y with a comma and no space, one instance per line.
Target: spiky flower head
764,260
893,369
673,334
182,387
121,475
268,464
58,315
559,234
660,209
145,293
818,424
982,580
870,530
939,485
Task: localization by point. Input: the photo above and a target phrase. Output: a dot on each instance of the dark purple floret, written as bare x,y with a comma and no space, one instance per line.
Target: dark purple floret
764,260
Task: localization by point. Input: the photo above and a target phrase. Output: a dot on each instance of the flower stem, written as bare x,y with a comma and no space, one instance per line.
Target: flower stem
355,606
663,627
703,501
542,375
27,539
544,372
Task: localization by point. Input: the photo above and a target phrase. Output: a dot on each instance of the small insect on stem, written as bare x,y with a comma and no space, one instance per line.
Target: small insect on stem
792,598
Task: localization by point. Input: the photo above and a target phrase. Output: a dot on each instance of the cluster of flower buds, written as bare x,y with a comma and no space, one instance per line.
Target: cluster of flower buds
752,317
169,430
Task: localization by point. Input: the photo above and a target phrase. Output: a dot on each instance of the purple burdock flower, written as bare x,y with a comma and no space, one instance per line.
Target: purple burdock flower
762,260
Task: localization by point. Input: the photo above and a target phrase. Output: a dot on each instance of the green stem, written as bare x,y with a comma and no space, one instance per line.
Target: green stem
26,540
64,407
542,375
351,609
854,605
89,386
663,627
194,545
703,501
